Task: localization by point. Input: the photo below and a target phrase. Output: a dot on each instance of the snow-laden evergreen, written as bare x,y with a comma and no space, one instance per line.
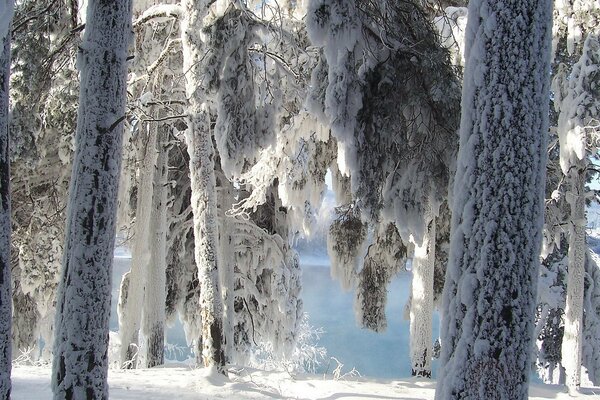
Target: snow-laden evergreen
490,290
44,94
6,13
80,363
392,108
385,257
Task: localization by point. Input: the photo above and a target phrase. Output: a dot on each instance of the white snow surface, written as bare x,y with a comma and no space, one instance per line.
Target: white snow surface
33,383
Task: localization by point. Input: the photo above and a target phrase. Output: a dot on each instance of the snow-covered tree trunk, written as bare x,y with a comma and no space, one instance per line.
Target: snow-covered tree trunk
203,184
571,343
421,304
153,317
83,304
5,221
490,291
131,297
227,265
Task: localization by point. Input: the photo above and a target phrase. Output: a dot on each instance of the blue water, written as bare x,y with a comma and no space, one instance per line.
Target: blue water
380,355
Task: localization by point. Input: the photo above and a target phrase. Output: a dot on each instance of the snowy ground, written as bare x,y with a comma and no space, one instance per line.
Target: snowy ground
183,383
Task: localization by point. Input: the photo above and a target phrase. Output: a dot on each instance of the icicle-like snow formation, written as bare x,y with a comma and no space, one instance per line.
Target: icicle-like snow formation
384,259
345,244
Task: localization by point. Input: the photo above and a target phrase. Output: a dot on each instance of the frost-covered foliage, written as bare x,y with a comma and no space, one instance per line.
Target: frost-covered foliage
267,283
452,25
305,358
44,87
83,302
391,105
345,244
491,282
5,204
577,101
385,257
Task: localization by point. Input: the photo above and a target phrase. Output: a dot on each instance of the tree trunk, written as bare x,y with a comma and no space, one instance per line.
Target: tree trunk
5,221
80,364
203,185
571,344
421,305
226,256
153,325
498,208
131,297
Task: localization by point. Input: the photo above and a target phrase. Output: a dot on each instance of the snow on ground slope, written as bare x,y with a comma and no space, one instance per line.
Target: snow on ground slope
183,383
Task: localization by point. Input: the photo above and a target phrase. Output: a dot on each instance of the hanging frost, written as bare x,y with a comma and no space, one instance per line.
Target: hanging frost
384,259
345,241
245,120
577,98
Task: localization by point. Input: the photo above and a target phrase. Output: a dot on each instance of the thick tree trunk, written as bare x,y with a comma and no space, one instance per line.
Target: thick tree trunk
5,221
80,364
421,305
571,344
153,325
498,208
203,185
131,296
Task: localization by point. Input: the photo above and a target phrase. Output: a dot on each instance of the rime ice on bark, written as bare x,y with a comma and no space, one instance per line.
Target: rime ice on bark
497,220
203,185
83,306
5,218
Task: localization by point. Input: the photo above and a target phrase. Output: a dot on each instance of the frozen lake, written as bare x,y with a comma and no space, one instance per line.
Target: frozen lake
380,355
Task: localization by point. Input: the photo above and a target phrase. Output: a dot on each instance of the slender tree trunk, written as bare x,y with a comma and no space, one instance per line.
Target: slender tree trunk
5,221
80,364
498,208
421,305
571,344
203,185
226,270
131,296
153,325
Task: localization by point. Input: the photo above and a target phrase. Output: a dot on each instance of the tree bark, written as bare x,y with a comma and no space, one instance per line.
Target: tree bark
5,220
571,344
203,185
131,297
421,305
498,208
80,362
153,325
